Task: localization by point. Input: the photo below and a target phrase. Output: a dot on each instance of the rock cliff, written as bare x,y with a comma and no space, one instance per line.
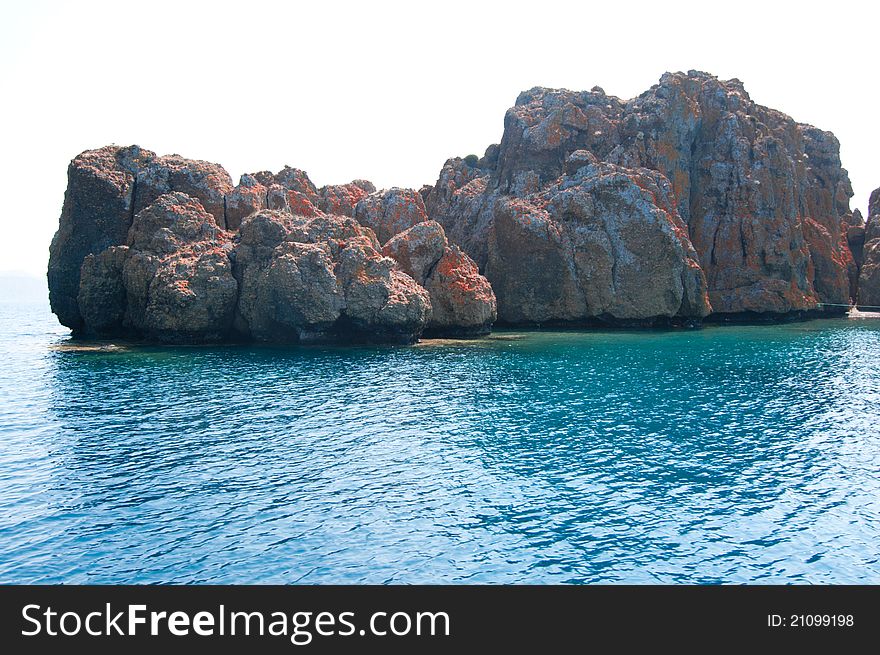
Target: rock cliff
746,210
869,256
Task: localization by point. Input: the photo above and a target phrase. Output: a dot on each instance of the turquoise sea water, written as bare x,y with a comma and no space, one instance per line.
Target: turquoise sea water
727,454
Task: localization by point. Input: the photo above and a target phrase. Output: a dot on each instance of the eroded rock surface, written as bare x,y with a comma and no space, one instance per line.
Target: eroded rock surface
97,212
688,201
605,242
207,182
313,279
391,211
142,251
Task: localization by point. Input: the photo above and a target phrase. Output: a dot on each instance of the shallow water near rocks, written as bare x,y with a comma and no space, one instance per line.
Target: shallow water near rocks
727,454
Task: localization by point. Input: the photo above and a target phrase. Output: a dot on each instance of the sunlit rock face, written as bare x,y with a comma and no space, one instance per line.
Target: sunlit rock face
389,212
761,200
318,279
604,242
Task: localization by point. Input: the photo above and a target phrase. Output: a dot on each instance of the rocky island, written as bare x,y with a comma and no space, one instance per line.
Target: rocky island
688,203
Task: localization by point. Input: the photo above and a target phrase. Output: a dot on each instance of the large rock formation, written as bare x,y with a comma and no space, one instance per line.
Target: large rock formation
604,242
869,275
761,200
97,212
105,189
689,201
142,251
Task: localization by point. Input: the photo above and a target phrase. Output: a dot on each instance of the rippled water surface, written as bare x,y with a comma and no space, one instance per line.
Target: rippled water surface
728,454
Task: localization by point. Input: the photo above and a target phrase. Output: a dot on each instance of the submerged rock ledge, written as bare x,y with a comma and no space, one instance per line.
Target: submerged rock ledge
687,202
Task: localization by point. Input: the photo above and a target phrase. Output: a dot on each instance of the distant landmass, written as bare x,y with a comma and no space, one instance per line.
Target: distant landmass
22,287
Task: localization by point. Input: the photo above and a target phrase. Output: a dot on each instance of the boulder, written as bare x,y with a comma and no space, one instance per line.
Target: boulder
207,182
390,211
341,199
605,244
418,249
248,197
320,279
462,300
171,282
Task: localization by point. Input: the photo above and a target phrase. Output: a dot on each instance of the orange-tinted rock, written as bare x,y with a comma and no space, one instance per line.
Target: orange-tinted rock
280,198
295,179
462,200
340,199
462,301
418,249
141,251
245,199
391,211
209,183
97,212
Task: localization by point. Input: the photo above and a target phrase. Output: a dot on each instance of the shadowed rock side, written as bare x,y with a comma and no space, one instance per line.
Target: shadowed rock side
761,200
97,212
142,251
869,275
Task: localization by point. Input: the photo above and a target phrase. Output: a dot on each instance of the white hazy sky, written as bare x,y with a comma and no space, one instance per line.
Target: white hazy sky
384,91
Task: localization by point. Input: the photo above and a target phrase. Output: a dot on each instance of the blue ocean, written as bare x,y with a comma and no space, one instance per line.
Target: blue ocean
747,454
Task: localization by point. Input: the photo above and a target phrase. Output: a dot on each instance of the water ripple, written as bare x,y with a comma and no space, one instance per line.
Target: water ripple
734,454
